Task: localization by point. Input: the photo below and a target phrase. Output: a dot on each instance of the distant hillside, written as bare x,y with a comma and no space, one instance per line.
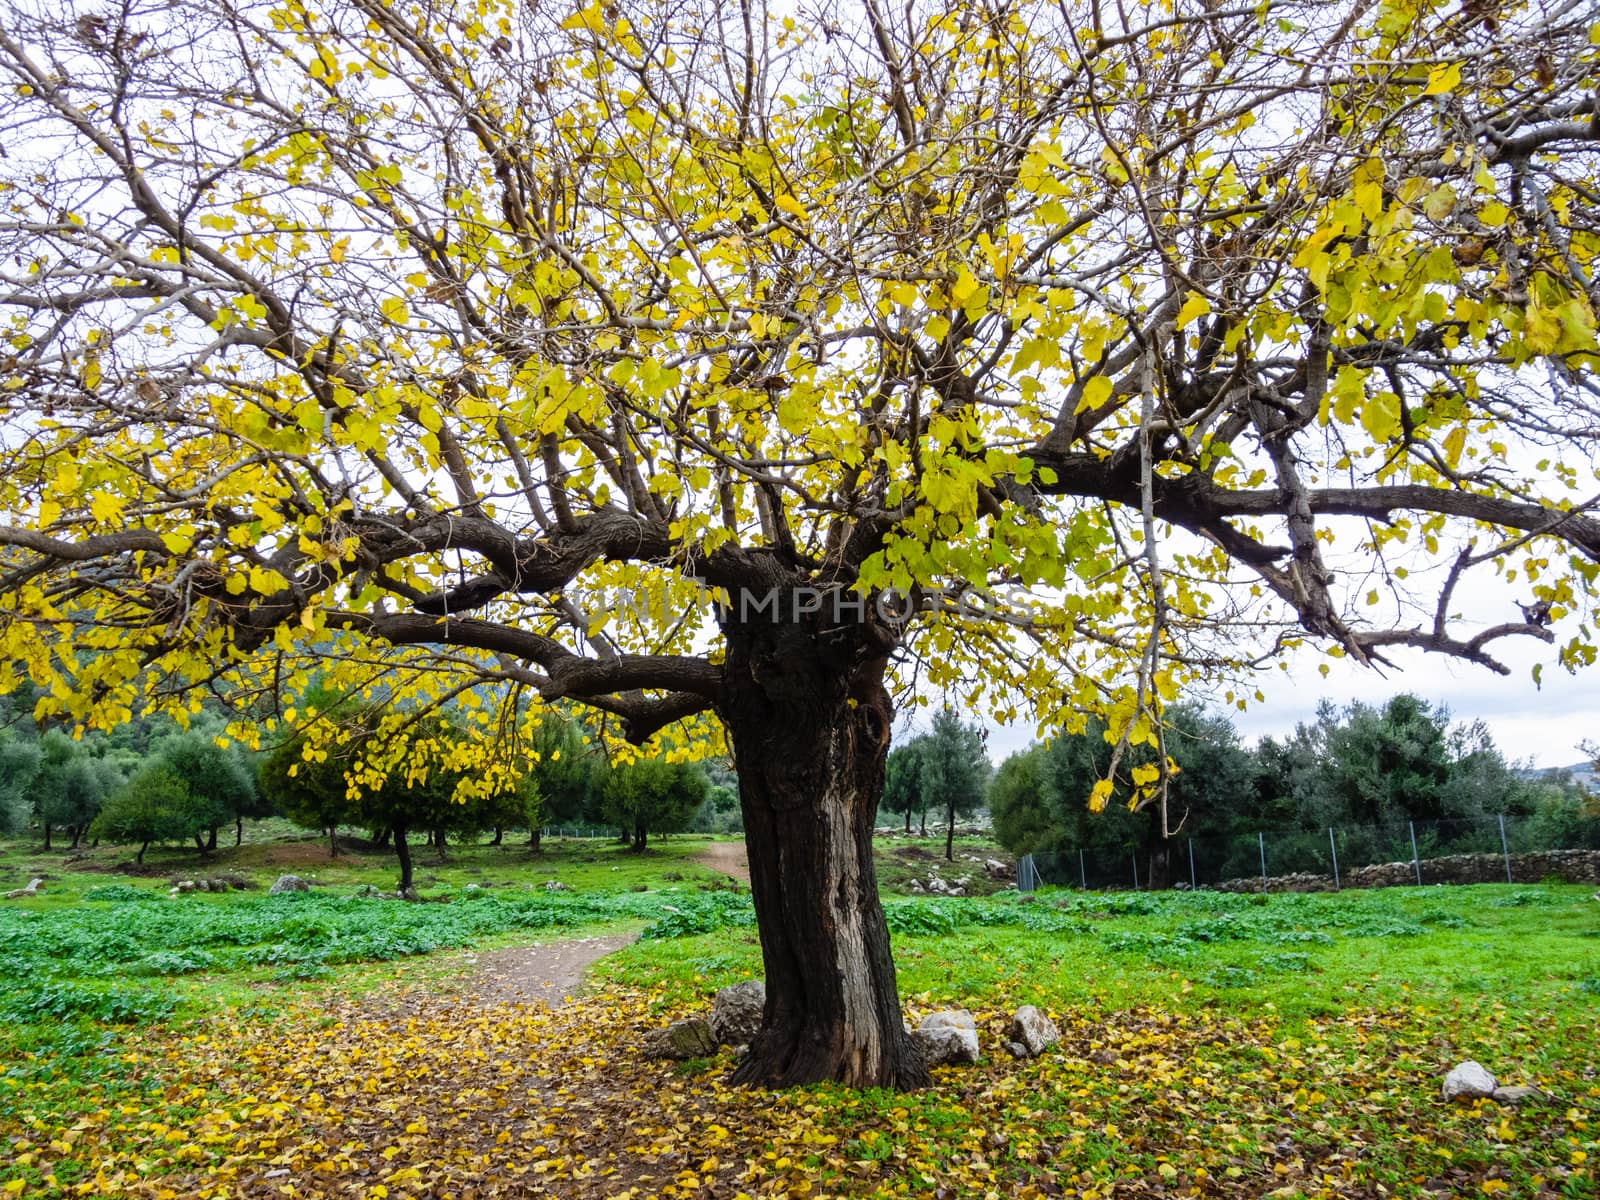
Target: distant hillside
1582,772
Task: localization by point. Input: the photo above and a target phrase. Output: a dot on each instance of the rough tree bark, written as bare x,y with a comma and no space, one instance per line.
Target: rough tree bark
809,720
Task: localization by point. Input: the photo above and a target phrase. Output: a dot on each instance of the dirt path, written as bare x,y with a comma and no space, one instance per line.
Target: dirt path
727,857
548,971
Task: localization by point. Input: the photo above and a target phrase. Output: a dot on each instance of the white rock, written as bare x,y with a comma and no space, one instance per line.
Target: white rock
948,1037
1468,1081
950,1018
944,1044
1035,1031
288,883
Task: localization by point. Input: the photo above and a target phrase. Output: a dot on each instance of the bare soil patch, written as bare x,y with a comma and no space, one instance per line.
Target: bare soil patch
727,857
545,971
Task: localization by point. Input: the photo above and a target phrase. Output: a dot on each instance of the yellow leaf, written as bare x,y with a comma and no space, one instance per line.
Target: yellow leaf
790,205
964,288
1195,306
1440,202
106,507
1446,77
1366,186
1100,795
1095,393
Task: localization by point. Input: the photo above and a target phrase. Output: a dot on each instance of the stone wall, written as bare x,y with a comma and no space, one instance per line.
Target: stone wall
1574,866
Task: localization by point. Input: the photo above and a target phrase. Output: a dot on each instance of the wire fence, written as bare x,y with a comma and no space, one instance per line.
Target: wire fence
1497,848
581,832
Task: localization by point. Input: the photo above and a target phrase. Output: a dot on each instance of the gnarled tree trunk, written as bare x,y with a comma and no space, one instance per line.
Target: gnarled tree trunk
809,720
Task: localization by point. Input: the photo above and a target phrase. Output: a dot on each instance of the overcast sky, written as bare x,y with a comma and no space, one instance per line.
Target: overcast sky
1544,724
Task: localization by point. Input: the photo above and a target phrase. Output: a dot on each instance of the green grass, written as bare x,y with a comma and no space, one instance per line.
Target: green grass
1297,956
1332,1015
900,860
105,946
273,848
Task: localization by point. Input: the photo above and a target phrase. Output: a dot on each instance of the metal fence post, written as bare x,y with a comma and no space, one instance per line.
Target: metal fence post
1333,846
1415,860
1504,848
1193,886
1136,870
1083,875
1261,840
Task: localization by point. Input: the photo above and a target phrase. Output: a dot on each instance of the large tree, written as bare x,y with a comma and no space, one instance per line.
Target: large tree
377,339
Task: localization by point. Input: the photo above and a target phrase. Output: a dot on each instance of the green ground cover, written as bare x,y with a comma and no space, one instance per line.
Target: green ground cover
1213,1044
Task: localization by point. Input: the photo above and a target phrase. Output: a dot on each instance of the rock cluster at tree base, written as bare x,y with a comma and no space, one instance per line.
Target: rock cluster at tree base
946,1038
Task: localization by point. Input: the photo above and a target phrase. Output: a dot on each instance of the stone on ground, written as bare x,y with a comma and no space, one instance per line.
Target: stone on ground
948,1037
682,1039
1518,1094
736,1012
1035,1031
1468,1081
